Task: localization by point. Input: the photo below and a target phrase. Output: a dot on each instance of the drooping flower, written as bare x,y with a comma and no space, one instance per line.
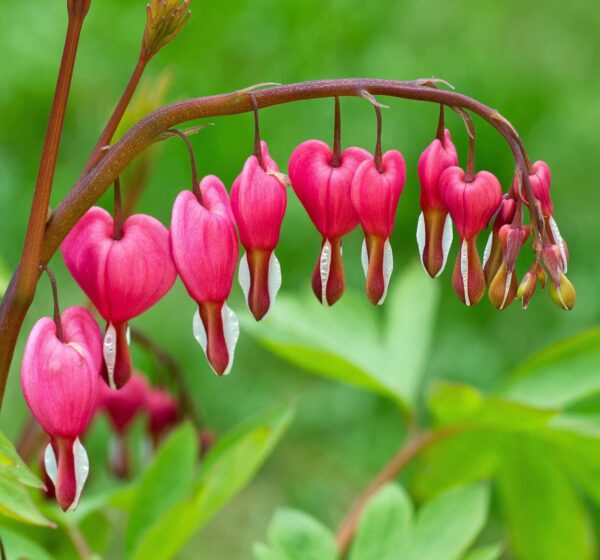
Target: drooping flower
323,186
562,291
472,205
60,380
122,277
258,201
534,276
540,179
205,250
375,196
492,255
434,229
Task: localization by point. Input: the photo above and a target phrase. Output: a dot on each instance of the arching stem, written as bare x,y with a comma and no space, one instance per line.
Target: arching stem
194,167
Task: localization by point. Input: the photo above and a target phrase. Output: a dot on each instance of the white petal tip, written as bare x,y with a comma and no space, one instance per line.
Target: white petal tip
324,268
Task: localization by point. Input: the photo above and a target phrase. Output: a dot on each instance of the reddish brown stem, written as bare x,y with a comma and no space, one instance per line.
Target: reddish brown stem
337,135
57,318
257,146
190,149
28,272
90,186
441,127
413,447
378,156
117,211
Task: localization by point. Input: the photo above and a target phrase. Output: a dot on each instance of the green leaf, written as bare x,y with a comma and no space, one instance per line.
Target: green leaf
4,278
167,480
383,532
12,465
229,466
546,518
560,375
448,525
411,313
490,552
294,535
16,503
18,547
348,343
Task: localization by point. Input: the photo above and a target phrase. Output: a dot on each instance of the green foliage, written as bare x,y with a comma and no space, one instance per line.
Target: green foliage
227,469
351,346
15,477
18,546
294,535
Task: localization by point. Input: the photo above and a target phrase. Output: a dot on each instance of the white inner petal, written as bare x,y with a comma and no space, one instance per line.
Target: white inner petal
506,289
109,350
244,276
388,267
447,237
128,335
82,469
231,329
464,269
488,248
324,267
231,332
421,237
275,280
559,241
364,257
198,330
50,464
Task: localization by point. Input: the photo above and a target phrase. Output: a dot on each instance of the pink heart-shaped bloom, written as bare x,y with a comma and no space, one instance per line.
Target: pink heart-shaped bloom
205,250
433,162
472,204
324,190
258,201
540,181
60,380
375,196
123,277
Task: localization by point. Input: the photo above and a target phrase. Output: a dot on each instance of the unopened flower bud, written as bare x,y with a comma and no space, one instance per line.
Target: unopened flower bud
512,238
553,262
563,294
503,288
527,286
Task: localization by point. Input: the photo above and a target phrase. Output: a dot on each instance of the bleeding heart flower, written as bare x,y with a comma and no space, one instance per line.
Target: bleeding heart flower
434,229
60,380
123,277
375,196
492,255
471,205
205,250
540,180
324,189
258,201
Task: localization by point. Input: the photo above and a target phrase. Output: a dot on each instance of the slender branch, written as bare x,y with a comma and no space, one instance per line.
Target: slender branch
28,272
78,540
415,445
194,167
441,127
57,317
90,186
172,366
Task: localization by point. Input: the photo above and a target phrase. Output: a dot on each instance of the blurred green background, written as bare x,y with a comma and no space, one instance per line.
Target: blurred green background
535,61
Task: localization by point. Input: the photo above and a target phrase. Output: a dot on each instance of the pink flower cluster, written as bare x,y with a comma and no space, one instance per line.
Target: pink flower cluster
126,274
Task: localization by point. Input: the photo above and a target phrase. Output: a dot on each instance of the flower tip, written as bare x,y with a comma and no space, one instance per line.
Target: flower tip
563,295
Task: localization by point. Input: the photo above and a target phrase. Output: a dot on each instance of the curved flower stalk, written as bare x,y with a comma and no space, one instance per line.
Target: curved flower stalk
124,273
471,203
60,376
434,229
205,250
258,202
